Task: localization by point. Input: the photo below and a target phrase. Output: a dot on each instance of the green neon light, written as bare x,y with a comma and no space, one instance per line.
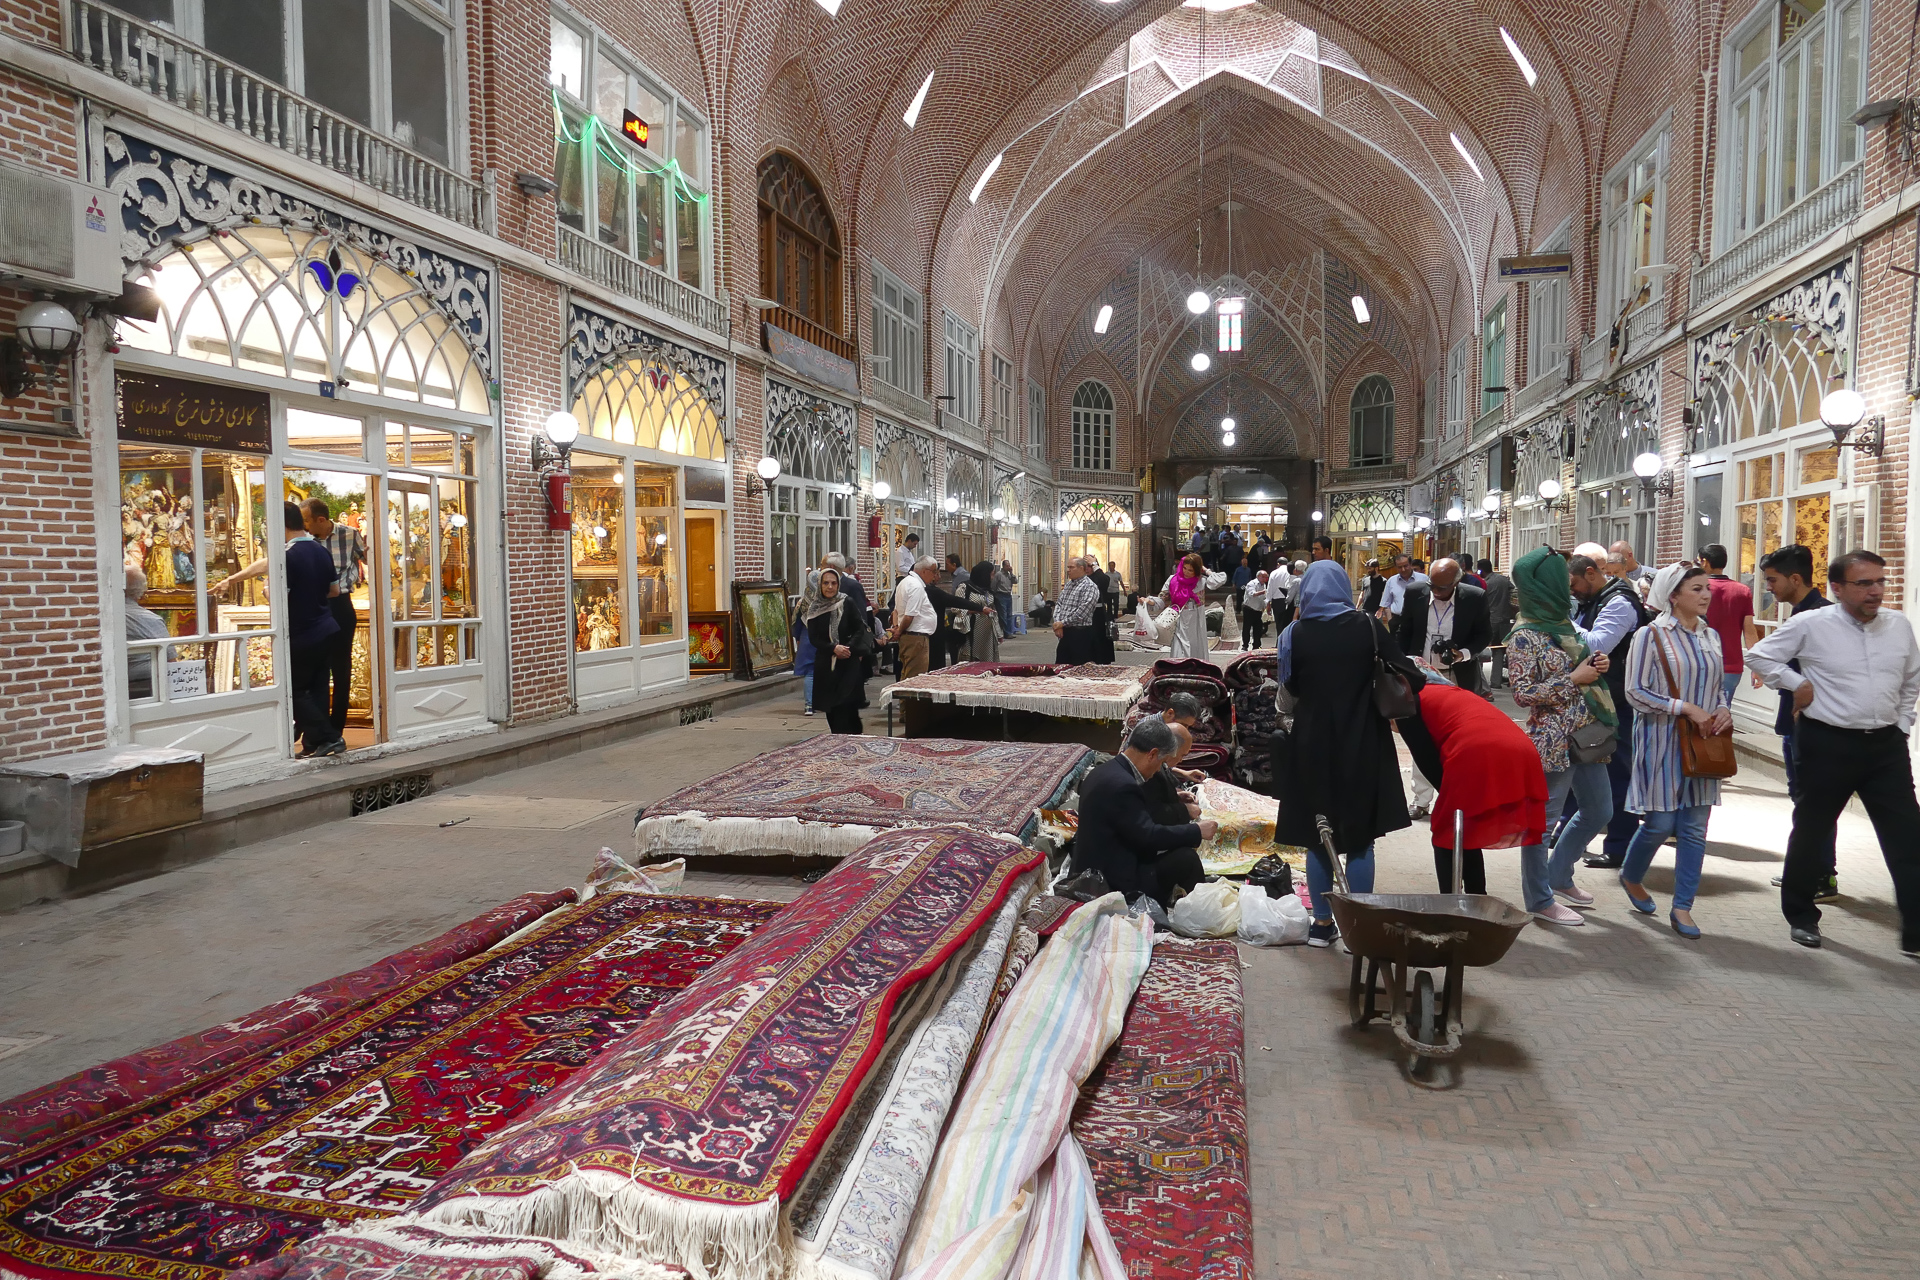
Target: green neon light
618,154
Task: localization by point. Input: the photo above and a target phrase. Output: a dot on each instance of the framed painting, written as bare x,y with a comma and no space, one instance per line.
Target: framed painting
765,644
710,642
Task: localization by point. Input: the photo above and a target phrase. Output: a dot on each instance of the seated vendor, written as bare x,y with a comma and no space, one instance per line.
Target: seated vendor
1167,798
1118,835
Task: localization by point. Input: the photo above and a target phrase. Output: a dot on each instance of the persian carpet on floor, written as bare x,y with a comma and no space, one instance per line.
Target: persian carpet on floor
679,1144
387,1251
1163,1121
1010,1192
1245,833
97,1093
355,1118
1089,692
828,796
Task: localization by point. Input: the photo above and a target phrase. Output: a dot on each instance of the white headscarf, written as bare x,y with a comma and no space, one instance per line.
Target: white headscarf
1663,584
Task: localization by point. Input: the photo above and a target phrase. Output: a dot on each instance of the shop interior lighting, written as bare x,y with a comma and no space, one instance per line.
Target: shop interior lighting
919,100
1461,147
986,174
1198,301
1360,313
1201,362
1519,58
1101,321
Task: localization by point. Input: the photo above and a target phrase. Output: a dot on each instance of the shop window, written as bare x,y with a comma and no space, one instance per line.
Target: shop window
1634,216
255,299
598,491
1797,73
190,518
799,243
432,595
963,370
897,332
1101,529
647,403
1002,397
642,193
1370,429
656,524
1784,496
1092,427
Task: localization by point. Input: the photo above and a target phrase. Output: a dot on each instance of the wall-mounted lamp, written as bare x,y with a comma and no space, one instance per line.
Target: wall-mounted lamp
1318,516
1844,410
1146,517
951,505
1456,513
882,491
552,449
999,514
535,184
44,332
1490,505
1549,491
766,470
1650,466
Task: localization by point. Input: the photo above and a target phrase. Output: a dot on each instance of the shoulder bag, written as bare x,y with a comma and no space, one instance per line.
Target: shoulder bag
1702,755
1393,694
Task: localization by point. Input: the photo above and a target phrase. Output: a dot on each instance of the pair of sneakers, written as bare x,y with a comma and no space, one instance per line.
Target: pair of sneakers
1561,911
1829,890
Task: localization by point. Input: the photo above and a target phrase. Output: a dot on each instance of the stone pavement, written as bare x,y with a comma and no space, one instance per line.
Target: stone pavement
1628,1103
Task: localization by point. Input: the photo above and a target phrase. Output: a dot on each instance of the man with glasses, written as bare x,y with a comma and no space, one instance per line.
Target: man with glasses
1853,702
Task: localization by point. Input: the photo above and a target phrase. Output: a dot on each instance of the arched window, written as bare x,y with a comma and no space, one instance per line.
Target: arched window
1092,428
1371,440
799,244
644,402
313,306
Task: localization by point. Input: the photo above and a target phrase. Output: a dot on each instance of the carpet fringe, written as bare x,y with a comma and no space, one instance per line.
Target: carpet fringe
1069,706
481,1245
694,834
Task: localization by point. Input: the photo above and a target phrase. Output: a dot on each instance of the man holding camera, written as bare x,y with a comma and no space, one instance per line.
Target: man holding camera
1445,621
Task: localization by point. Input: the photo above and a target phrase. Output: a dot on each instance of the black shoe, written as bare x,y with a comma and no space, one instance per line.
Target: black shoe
1805,937
1828,891
338,747
1913,950
1776,881
1321,935
1601,861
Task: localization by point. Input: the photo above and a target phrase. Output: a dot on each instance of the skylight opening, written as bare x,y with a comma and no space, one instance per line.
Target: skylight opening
1520,58
1360,312
919,100
993,167
831,6
1212,6
1101,321
1461,147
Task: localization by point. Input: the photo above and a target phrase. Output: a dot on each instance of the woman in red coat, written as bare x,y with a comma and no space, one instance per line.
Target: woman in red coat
1484,766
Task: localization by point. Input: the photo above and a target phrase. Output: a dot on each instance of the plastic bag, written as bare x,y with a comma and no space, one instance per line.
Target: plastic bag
611,872
1272,873
1083,886
1211,911
1273,922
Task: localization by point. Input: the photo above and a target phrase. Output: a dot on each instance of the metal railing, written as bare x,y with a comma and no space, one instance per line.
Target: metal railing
157,62
1800,227
1368,475
1643,326
632,278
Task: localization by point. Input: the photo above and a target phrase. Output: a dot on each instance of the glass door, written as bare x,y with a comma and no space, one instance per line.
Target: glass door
349,500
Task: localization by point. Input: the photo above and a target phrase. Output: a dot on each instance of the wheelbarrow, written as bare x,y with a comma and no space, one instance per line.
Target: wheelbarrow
1418,932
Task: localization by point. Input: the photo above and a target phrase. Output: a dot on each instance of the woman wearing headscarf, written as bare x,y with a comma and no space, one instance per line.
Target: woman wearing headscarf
803,651
986,625
1343,764
841,639
1186,592
1673,804
1558,680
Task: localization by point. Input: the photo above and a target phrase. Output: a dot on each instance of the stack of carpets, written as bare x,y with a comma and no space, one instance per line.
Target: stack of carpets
1163,1121
1087,692
1213,733
353,1118
1251,678
828,796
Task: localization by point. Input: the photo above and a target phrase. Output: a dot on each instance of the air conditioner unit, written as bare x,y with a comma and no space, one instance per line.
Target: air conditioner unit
59,234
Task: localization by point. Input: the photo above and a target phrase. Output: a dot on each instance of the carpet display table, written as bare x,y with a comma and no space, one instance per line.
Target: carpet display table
1018,702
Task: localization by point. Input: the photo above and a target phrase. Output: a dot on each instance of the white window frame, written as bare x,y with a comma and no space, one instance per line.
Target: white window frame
897,335
1002,406
1036,417
963,370
1618,288
596,44
1093,429
1759,93
1502,313
1547,313
1459,366
190,20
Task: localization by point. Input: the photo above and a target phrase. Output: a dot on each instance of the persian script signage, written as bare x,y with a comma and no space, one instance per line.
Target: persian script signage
155,409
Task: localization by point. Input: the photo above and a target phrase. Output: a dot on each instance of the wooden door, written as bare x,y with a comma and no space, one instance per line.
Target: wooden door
702,566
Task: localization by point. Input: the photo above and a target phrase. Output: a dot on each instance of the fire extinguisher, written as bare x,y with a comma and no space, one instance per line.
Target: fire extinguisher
873,530
559,500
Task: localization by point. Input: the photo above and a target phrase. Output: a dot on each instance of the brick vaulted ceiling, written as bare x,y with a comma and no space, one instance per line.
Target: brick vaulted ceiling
1333,121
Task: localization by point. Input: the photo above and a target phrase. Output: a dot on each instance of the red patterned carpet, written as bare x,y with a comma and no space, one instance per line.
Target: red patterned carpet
1163,1122
353,1119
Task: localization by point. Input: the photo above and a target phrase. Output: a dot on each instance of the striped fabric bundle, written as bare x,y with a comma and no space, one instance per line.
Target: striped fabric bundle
1010,1193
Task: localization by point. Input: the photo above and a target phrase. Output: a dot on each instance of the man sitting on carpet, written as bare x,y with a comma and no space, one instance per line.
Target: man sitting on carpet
1183,713
1118,835
1167,800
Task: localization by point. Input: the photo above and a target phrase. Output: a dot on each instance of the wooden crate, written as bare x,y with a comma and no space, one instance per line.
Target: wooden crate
78,802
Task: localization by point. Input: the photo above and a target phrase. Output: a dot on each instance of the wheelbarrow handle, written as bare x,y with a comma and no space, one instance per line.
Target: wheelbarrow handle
1459,854
1333,854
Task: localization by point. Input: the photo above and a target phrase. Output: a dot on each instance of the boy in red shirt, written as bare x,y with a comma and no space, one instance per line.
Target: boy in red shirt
1730,614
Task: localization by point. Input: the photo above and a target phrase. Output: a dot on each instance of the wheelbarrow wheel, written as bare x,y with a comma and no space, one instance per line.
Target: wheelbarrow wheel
1426,1010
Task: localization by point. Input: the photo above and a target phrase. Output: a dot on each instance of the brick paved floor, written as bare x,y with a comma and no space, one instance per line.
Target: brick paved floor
1628,1104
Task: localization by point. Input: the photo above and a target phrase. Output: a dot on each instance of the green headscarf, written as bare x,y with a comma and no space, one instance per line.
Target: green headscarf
1546,604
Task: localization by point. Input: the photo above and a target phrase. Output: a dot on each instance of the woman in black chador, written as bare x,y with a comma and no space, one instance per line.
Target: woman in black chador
841,639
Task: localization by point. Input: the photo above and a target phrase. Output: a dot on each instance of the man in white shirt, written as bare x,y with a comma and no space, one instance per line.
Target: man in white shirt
914,617
1253,605
905,554
1395,595
1853,701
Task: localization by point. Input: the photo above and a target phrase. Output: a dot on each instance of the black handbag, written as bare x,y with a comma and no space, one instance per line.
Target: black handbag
1593,743
1393,694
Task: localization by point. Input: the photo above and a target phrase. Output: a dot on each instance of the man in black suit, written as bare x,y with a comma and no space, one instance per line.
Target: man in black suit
1118,835
1445,621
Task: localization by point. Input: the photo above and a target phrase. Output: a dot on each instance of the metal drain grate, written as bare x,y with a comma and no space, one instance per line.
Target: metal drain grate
385,795
696,713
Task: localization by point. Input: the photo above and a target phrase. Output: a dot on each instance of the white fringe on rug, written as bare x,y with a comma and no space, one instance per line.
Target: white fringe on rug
442,1243
694,834
1068,699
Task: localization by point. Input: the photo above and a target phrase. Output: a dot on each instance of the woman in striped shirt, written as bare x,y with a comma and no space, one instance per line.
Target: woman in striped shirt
1672,802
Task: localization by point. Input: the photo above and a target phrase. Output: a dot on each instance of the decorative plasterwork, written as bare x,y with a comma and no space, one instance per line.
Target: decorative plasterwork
1071,498
168,199
811,435
886,435
966,480
1619,422
1366,510
595,341
1769,367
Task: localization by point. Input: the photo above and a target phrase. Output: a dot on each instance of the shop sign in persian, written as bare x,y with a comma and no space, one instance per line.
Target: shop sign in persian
155,409
815,362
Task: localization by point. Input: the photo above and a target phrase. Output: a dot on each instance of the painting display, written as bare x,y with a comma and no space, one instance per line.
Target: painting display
710,642
599,502
766,645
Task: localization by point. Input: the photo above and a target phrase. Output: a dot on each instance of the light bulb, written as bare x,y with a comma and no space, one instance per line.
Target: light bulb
882,490
599,531
1201,362
768,467
999,513
1549,489
951,504
659,539
1647,465
1319,515
561,428
1227,439
458,521
1490,503
1198,301
1227,424
1843,408
1455,513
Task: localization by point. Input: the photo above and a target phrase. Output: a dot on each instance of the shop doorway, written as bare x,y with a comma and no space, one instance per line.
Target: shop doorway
350,499
703,561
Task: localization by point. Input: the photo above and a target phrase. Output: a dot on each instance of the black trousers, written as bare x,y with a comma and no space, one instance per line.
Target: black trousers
1075,647
844,718
1473,870
1833,765
310,670
1253,628
1171,874
340,662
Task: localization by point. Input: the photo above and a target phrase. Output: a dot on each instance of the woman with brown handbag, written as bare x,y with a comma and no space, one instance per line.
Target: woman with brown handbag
1681,738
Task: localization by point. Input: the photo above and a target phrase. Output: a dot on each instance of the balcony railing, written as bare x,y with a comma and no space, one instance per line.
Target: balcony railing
634,279
1488,424
1643,326
1804,225
158,63
1368,475
813,331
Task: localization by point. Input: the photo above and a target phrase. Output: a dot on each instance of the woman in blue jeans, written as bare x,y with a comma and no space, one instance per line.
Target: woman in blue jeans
1558,680
1673,670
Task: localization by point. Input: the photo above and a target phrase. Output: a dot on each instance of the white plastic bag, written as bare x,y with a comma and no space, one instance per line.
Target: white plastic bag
1273,922
1210,911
